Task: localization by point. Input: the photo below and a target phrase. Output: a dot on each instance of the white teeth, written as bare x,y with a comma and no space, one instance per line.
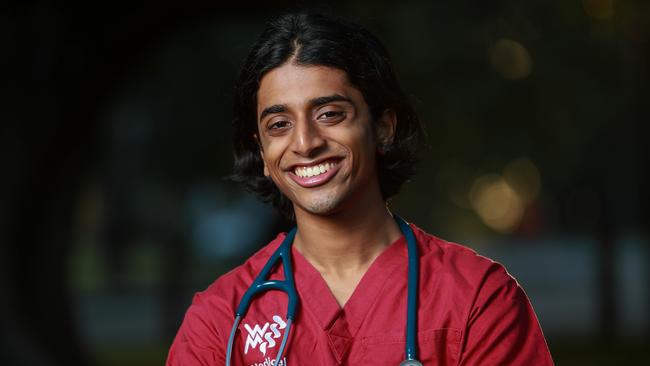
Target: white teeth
313,170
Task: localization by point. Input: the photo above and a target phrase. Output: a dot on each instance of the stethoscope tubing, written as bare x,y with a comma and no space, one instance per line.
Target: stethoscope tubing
283,253
411,300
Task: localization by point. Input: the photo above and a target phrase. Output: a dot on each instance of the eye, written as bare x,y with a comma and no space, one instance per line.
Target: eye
332,115
278,125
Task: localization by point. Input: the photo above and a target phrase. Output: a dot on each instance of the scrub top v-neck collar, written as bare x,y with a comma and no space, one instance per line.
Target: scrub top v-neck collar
318,299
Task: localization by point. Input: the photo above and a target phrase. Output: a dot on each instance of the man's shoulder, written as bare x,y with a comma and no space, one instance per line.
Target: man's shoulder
447,251
232,285
457,261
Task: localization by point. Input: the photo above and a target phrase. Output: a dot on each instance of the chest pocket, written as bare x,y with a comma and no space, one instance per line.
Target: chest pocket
435,347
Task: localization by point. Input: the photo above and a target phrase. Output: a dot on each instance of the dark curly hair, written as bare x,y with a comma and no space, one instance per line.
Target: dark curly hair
317,39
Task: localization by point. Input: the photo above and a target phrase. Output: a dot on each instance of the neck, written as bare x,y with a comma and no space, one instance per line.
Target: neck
346,242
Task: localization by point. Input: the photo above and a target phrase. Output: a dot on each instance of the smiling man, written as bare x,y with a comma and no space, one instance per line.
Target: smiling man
324,132
326,166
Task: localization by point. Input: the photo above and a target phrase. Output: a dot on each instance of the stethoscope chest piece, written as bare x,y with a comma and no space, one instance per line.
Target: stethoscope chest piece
410,363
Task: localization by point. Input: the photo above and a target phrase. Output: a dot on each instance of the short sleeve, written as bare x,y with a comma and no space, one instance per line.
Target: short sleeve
502,328
198,341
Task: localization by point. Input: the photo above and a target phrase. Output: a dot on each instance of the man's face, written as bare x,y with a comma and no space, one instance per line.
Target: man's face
318,142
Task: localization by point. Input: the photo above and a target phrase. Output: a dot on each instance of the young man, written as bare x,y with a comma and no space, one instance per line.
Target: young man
324,132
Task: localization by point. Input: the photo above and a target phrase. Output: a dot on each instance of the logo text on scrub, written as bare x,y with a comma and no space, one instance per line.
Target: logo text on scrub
265,335
269,362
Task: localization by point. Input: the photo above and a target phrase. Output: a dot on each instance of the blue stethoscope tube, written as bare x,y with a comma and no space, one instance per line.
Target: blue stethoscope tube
260,284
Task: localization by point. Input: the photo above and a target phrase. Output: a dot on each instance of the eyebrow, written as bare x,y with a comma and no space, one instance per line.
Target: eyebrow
279,108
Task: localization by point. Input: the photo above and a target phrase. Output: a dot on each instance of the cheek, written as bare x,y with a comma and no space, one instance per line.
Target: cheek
361,144
272,153
364,141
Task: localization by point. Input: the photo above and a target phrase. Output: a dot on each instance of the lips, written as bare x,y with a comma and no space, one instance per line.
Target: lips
315,174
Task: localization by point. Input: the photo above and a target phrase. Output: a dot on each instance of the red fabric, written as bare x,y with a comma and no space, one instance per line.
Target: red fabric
470,312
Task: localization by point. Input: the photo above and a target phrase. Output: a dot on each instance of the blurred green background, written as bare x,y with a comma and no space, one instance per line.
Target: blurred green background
116,125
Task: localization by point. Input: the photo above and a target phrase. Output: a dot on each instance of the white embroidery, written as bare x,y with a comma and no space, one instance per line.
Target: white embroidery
269,362
265,335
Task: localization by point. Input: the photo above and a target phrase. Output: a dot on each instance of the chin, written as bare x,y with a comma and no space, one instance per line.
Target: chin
323,206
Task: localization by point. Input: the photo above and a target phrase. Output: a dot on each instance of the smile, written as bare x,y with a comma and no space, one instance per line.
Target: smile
316,174
310,171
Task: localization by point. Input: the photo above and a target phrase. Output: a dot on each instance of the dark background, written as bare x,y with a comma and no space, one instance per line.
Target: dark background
116,125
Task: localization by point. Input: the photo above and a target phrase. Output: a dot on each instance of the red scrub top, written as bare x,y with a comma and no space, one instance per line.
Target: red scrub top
470,312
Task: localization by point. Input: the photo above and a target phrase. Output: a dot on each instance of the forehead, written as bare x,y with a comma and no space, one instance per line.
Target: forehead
294,85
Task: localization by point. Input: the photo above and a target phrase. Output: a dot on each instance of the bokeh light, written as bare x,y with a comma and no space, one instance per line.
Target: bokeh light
522,175
500,200
510,59
497,203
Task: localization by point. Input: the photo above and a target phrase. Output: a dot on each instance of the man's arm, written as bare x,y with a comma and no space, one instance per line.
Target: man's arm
502,328
198,342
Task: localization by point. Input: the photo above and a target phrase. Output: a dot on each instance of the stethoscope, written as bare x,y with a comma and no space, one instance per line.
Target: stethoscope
288,286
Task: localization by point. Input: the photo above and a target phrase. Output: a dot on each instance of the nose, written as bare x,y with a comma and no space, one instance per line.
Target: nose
307,139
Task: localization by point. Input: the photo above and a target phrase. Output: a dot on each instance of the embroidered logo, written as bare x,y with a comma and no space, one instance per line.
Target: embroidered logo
265,335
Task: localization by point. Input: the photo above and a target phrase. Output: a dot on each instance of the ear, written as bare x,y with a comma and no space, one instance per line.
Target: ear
259,145
385,129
